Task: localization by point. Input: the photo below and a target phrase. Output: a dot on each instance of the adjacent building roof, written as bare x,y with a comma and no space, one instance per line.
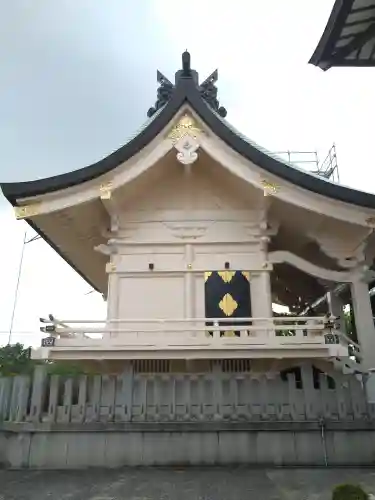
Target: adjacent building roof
203,99
349,37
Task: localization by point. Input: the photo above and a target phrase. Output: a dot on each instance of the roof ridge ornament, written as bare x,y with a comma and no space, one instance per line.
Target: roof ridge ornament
207,89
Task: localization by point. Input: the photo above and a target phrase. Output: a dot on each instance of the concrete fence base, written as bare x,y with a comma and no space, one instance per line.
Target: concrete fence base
54,422
286,444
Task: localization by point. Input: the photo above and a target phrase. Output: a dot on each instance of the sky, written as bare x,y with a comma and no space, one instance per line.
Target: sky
78,76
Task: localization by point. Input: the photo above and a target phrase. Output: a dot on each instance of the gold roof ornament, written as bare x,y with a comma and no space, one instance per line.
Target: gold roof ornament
26,211
185,126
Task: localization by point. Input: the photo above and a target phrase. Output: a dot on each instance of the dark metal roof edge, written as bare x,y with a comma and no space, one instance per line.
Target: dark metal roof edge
335,23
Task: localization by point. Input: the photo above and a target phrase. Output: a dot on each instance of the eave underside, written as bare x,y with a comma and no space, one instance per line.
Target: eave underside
349,37
74,233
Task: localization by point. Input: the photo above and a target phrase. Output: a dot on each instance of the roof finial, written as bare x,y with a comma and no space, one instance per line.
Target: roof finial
188,78
186,68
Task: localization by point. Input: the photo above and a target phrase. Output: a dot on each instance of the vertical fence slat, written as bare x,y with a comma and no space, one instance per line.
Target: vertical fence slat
125,395
96,397
112,399
280,398
82,398
13,399
340,397
325,396
292,396
308,389
233,388
200,395
172,408
38,393
67,400
5,395
187,386
53,398
23,398
107,399
253,402
357,395
19,398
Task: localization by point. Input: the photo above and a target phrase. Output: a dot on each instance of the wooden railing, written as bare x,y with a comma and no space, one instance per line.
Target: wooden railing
226,333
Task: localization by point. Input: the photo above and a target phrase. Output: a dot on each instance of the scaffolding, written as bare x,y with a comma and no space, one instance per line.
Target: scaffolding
309,160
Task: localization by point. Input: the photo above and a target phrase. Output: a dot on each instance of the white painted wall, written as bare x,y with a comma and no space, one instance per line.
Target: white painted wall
184,224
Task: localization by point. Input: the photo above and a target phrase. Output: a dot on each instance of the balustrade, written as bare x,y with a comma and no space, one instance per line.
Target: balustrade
226,333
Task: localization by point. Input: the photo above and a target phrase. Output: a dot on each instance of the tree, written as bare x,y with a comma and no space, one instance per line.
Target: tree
15,360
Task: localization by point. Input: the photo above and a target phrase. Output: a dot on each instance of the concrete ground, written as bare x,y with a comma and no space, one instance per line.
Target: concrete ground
180,484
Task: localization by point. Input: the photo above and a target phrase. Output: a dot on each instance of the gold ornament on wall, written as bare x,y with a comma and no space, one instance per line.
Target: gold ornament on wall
370,221
110,267
26,211
106,191
269,188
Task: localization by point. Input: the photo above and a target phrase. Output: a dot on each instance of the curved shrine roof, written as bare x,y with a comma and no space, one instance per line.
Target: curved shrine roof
349,36
203,100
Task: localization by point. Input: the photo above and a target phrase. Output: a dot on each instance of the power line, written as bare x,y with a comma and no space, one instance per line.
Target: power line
17,287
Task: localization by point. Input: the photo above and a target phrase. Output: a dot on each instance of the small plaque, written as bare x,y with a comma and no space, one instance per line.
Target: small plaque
48,342
50,328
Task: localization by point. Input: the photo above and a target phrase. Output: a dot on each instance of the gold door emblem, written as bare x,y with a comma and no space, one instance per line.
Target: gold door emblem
228,305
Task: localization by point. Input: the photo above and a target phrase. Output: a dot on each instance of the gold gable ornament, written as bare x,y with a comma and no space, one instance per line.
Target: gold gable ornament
184,137
185,126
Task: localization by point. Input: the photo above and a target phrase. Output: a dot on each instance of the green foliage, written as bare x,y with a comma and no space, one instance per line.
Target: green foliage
65,368
349,492
15,360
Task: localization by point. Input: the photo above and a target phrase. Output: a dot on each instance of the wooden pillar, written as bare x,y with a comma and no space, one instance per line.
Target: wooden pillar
189,282
261,296
364,321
